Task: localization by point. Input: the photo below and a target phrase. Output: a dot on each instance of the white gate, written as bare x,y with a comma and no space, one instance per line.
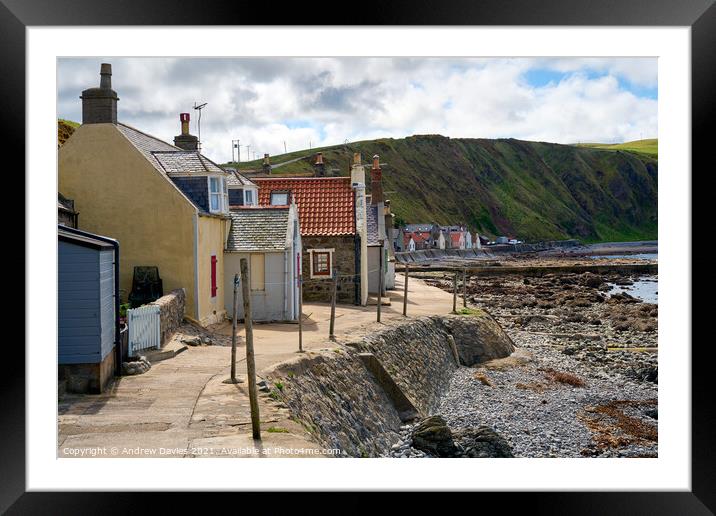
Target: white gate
144,331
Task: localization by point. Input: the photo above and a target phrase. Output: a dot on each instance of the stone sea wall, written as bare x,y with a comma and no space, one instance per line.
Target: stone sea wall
346,405
486,252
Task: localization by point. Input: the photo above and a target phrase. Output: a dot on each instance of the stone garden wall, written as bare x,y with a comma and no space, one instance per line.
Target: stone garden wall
171,312
343,405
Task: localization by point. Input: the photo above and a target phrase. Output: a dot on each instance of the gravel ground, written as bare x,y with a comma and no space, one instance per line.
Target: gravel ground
542,417
583,382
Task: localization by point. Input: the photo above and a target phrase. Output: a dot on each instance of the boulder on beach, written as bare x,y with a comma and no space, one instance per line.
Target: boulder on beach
478,337
433,436
482,442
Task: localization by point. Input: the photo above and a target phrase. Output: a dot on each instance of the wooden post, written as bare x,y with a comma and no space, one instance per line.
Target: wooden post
405,291
464,288
331,334
300,313
454,293
233,328
250,364
380,279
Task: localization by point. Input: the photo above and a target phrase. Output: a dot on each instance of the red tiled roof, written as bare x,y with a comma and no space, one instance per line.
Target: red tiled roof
326,205
417,236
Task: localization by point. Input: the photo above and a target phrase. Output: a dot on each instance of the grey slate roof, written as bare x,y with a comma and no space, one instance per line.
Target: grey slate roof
372,223
146,143
258,229
173,161
236,179
186,162
411,228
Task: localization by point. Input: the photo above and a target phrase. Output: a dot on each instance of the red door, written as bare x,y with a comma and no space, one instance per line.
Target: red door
213,276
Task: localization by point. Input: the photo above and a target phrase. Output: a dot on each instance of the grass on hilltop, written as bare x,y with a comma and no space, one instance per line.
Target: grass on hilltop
648,147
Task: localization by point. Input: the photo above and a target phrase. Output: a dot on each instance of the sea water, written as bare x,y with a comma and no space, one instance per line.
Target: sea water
645,288
639,256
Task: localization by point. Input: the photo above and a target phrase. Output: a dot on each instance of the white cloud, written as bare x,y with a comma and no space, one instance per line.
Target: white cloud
266,102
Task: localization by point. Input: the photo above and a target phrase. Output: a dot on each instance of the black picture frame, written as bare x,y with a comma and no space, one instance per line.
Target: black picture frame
700,15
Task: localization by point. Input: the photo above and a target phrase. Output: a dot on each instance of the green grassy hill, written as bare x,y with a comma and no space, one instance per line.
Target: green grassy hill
65,128
528,190
649,147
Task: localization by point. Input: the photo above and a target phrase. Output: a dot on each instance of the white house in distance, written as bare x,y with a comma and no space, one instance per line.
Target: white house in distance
269,237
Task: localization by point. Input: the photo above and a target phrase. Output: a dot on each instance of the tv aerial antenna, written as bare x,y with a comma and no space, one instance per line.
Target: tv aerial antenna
199,108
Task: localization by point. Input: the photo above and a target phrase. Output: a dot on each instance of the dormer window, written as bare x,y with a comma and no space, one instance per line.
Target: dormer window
279,198
249,198
218,195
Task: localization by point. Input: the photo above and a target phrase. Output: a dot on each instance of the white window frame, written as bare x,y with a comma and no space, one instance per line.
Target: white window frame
330,263
222,194
254,200
287,194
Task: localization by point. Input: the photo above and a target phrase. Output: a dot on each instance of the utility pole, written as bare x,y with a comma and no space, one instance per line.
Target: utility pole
331,334
234,321
454,293
248,156
405,291
300,312
250,363
464,288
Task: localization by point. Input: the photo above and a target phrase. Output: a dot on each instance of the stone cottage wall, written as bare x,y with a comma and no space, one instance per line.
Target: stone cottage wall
343,259
171,312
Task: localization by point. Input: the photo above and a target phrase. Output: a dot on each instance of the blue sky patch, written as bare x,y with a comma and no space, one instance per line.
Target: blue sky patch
543,77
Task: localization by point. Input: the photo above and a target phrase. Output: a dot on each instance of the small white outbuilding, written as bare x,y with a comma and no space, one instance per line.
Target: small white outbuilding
269,237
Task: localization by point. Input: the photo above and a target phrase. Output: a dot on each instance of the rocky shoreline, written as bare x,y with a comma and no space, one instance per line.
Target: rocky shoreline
583,381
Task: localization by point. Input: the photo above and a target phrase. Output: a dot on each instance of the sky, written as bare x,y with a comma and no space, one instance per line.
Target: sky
272,104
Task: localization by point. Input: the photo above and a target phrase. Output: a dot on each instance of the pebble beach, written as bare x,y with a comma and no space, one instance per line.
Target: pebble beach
583,381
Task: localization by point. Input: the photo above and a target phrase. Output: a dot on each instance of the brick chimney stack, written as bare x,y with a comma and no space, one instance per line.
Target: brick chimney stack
376,182
319,168
185,140
99,105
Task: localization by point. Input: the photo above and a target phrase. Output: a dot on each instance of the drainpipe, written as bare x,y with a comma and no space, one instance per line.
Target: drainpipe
196,265
357,275
285,279
117,338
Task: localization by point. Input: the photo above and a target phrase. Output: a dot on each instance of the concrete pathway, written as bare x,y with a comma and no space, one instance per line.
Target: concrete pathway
182,408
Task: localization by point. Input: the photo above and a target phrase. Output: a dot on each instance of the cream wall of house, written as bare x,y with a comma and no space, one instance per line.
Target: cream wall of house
119,194
212,232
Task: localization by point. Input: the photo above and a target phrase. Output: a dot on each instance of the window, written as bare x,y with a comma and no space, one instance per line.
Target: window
279,198
321,263
248,198
258,271
218,194
213,276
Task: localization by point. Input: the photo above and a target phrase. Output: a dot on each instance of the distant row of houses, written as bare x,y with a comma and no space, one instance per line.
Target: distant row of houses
415,237
169,206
